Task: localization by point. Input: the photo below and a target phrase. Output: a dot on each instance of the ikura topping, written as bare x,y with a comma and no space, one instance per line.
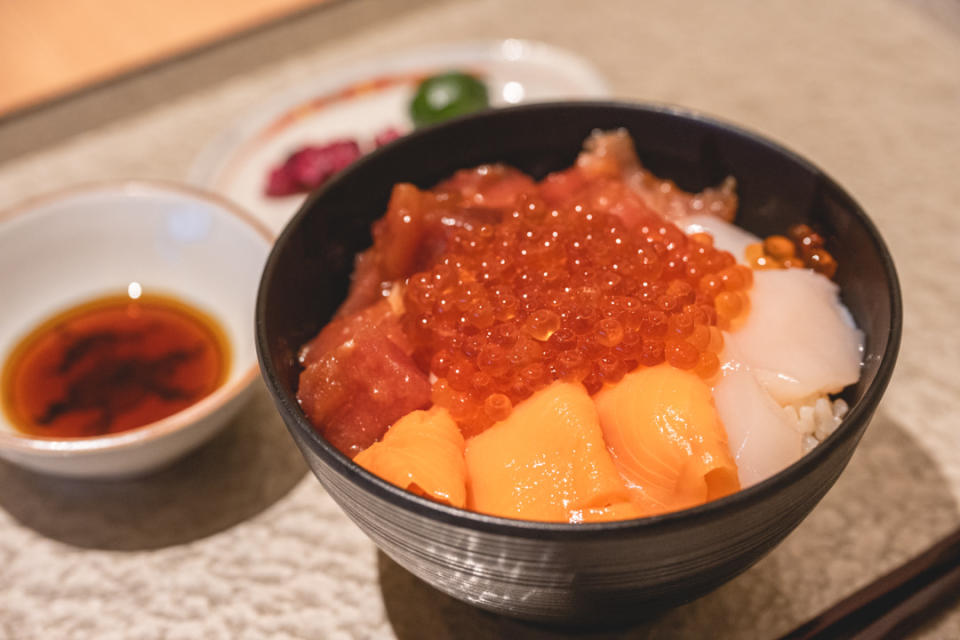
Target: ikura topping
566,294
802,247
552,350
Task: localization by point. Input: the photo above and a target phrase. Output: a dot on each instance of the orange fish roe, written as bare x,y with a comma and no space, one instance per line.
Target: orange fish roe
803,248
566,294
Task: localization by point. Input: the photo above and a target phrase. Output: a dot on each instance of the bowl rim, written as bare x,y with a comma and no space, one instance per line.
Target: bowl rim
11,440
294,417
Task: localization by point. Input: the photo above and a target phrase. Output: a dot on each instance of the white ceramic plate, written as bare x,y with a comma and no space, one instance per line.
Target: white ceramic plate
364,99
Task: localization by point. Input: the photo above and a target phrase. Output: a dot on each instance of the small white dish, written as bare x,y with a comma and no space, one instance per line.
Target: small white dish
363,99
68,248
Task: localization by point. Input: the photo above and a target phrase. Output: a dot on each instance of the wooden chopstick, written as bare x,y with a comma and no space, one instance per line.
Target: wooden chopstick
895,603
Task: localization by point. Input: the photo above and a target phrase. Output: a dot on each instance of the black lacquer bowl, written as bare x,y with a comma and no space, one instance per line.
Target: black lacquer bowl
589,573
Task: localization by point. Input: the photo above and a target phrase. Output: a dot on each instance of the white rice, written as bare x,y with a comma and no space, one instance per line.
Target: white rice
816,419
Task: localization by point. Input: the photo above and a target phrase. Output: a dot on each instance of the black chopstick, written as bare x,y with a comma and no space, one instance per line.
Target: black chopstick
895,603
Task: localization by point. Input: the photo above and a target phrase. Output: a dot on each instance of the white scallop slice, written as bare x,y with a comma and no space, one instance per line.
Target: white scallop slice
762,439
726,236
798,339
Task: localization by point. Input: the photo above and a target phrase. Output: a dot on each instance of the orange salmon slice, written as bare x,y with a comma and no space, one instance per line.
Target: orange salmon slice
423,453
666,439
547,461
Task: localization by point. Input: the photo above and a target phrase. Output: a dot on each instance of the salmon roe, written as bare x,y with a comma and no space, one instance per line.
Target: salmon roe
566,293
804,248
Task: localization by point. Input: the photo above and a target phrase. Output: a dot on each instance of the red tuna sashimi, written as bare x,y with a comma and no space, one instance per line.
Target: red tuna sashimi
379,316
355,392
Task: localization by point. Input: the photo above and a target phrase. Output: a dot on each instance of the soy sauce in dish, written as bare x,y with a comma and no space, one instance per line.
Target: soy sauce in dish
113,364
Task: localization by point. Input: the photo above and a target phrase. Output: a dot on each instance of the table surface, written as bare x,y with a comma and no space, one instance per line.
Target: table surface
239,541
51,47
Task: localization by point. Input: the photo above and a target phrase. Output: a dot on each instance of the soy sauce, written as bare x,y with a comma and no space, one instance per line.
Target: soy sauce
113,364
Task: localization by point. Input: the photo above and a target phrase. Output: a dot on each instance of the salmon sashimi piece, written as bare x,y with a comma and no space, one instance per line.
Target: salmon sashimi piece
616,511
547,461
422,453
666,438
